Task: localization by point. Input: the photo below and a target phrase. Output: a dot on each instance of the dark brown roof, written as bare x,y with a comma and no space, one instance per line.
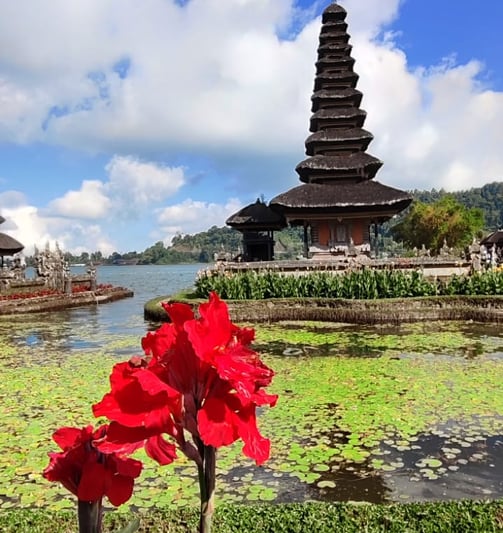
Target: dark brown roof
337,113
333,12
364,165
349,78
341,97
255,216
494,238
340,197
340,134
326,62
332,138
334,36
8,245
340,48
340,181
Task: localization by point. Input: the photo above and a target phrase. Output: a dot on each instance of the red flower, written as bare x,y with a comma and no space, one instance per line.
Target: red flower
199,378
87,472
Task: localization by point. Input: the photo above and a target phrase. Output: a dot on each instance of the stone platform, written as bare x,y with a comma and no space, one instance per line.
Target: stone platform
56,302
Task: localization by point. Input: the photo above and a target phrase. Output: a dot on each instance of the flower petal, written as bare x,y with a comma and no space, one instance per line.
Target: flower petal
160,450
217,423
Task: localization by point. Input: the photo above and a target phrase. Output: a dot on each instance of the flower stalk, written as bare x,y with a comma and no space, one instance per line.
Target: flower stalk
206,473
90,516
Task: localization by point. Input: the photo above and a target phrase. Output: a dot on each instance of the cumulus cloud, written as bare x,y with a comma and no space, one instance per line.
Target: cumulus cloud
32,227
88,202
82,219
134,184
190,216
435,127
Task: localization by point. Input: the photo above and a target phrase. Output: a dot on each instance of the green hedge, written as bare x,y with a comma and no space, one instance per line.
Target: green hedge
364,284
456,517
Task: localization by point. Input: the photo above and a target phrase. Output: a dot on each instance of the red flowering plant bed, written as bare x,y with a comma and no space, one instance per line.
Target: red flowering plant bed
195,389
42,293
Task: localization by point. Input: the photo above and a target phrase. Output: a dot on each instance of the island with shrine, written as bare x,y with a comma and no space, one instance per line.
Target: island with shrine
339,205
52,287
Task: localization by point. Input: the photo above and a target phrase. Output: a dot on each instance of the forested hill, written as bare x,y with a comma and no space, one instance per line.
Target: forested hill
489,198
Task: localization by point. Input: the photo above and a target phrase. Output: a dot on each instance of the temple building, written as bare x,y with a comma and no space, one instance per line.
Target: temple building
257,223
339,204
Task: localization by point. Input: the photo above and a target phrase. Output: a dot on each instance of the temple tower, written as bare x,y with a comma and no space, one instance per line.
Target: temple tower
339,201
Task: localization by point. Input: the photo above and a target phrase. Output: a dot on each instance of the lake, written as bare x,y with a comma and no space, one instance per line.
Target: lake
93,326
372,413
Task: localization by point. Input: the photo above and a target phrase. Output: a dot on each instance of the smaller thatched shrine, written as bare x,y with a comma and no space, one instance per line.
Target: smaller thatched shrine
8,245
257,222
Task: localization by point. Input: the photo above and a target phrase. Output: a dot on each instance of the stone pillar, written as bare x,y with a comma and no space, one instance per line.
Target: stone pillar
68,285
306,243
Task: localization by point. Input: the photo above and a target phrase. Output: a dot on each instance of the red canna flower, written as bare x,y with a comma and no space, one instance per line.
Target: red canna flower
199,378
86,471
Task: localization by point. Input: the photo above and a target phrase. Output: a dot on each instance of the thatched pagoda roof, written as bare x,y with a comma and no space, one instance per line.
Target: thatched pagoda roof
361,164
325,62
348,77
338,180
355,114
494,238
340,97
9,245
338,48
334,25
332,137
333,12
256,216
341,197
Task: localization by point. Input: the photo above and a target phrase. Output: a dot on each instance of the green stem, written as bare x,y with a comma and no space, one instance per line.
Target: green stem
90,514
207,488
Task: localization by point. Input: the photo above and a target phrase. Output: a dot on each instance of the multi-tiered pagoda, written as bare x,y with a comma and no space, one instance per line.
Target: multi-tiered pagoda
339,201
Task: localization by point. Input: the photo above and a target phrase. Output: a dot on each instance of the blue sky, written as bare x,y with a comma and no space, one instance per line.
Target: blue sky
125,122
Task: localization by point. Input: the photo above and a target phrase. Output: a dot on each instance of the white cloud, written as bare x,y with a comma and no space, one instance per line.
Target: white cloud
436,127
90,202
135,185
189,217
132,187
32,228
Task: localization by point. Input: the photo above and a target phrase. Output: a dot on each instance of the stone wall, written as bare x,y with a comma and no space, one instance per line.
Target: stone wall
395,311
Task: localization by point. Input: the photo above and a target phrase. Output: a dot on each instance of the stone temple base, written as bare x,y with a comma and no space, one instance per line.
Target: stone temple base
56,302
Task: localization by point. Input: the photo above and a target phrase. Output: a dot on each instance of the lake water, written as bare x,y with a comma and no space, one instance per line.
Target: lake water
457,457
61,333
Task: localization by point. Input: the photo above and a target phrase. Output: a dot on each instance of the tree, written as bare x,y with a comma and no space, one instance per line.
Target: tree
445,220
